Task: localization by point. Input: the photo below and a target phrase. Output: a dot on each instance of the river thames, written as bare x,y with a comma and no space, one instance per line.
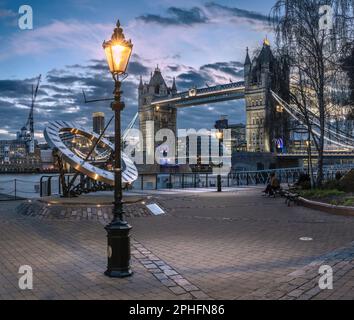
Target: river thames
23,185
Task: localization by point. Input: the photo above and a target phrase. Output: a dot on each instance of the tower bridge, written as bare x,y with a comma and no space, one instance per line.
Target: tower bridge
159,102
265,88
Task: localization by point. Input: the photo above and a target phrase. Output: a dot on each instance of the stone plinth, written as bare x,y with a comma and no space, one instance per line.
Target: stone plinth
94,208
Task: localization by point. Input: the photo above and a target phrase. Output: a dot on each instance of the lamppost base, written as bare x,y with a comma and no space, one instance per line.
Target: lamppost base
118,250
118,274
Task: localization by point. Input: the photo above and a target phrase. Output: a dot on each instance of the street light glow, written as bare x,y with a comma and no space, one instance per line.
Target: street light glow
118,51
117,57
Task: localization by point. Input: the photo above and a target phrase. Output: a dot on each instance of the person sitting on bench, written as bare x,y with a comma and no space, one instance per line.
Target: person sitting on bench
273,186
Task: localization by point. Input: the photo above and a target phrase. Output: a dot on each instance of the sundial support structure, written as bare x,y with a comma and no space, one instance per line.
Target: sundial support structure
60,164
72,181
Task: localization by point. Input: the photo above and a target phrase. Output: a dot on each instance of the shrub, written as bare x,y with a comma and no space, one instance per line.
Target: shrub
331,184
349,202
304,181
347,182
338,175
321,193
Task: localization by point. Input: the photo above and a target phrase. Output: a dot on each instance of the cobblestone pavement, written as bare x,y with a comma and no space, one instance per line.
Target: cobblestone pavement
68,260
240,245
234,245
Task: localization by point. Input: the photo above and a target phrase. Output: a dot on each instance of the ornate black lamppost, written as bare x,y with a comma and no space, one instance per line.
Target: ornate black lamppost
118,52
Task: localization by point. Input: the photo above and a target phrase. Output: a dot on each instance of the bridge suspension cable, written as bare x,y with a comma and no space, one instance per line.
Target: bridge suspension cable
130,125
316,122
339,139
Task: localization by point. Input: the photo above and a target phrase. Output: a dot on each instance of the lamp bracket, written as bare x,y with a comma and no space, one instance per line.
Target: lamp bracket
116,77
95,100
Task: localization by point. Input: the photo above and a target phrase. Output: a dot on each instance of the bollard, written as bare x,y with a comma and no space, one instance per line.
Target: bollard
219,183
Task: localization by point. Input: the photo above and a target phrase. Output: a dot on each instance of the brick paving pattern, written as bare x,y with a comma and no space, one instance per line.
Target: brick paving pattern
302,284
166,274
68,260
235,245
101,213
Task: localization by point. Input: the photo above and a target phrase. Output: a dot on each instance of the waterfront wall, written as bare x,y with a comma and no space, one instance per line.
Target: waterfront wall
251,161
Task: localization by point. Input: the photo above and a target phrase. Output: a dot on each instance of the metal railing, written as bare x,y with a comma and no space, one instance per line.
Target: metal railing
233,179
15,189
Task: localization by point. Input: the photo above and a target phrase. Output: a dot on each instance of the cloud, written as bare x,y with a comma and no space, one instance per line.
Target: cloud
219,9
73,39
177,16
60,97
73,35
208,13
5,13
135,67
60,94
210,74
190,37
230,70
9,87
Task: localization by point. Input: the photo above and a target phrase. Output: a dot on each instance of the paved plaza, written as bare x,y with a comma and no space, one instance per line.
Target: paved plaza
233,245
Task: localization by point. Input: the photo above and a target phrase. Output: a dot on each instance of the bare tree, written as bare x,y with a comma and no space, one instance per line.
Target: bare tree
315,41
348,67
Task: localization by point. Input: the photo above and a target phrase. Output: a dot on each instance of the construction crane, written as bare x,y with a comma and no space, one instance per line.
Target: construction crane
29,126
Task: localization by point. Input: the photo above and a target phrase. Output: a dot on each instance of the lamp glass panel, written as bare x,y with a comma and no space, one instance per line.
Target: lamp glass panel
118,57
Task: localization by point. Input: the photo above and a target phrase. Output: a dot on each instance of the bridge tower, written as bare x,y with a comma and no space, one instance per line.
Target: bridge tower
266,123
164,117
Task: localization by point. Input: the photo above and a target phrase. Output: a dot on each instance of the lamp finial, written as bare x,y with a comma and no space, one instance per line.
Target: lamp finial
118,34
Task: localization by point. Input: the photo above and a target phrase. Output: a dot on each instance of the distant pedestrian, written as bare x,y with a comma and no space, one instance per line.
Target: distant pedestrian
273,185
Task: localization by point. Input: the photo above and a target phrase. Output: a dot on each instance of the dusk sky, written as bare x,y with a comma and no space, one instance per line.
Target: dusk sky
195,41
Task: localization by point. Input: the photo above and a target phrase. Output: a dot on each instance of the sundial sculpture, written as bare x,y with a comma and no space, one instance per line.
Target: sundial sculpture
55,133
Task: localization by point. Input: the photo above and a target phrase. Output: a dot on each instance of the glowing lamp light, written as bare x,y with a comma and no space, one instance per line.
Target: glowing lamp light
118,51
219,135
280,109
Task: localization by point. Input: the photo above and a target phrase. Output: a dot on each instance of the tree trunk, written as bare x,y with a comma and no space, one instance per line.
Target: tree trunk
322,134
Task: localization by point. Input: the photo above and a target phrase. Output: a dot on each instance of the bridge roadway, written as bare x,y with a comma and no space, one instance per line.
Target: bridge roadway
332,155
194,96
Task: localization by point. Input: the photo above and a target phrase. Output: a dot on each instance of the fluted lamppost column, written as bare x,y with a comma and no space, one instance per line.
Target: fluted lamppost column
118,52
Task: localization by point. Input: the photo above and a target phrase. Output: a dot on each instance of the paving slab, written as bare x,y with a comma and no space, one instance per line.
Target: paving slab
232,245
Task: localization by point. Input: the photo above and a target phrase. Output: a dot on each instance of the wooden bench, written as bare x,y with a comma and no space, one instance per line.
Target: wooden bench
291,197
277,192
